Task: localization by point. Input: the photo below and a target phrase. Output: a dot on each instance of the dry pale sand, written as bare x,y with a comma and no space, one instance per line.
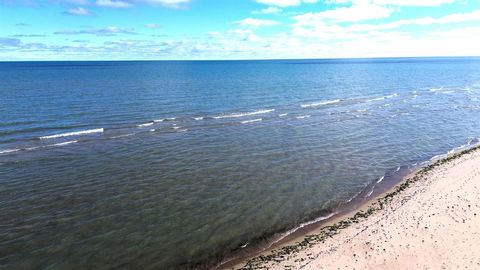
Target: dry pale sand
433,223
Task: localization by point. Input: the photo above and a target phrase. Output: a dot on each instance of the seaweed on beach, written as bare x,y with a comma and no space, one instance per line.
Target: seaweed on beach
282,253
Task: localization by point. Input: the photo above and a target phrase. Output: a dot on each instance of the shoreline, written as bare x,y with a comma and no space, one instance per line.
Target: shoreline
304,239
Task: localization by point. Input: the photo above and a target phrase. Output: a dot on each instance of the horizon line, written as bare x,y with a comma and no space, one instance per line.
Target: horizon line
246,59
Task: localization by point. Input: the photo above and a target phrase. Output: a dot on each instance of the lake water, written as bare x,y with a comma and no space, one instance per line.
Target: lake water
164,165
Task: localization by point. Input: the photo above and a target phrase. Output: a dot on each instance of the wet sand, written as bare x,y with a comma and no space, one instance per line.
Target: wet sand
429,221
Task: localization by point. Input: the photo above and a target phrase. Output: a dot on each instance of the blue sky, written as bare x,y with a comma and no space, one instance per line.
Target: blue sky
236,29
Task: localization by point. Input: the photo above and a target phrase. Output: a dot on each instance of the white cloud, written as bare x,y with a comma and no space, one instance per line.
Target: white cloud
113,3
357,12
447,19
251,22
418,3
244,35
79,11
285,3
456,33
166,3
130,3
268,10
108,31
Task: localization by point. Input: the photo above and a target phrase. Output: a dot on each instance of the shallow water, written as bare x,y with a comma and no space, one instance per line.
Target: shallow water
165,164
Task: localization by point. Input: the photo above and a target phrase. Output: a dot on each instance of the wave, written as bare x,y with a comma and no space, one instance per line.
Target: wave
75,133
382,98
321,103
252,121
471,142
449,90
199,118
370,193
164,120
303,116
380,179
61,144
236,115
6,151
436,89
283,115
146,124
322,218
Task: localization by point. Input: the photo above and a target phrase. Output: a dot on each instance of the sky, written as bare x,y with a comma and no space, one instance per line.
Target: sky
236,29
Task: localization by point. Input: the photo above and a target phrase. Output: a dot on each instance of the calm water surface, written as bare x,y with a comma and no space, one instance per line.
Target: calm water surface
161,165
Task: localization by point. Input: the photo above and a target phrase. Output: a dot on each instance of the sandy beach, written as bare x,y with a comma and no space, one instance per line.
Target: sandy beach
429,221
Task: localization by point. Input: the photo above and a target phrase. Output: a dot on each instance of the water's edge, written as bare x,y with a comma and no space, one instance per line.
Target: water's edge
290,240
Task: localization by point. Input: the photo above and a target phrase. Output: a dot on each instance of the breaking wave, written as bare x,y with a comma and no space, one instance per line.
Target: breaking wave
75,133
236,115
321,103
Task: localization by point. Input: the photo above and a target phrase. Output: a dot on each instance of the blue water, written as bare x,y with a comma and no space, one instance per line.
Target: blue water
162,165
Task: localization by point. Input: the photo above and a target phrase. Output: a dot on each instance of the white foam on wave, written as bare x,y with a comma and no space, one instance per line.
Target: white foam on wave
198,118
236,115
436,89
449,90
382,98
438,157
145,124
164,120
471,142
37,147
380,179
6,151
322,218
75,133
283,115
370,193
251,121
321,103
61,144
303,116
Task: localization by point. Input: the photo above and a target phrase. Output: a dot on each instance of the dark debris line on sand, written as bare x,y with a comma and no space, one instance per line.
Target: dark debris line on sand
280,254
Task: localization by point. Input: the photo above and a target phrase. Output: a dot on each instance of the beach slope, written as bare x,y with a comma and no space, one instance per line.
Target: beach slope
430,221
